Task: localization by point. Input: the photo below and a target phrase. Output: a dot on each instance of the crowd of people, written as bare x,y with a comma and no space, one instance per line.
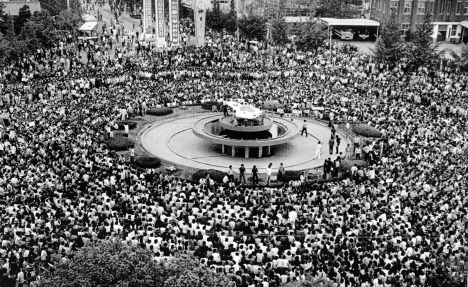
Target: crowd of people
61,188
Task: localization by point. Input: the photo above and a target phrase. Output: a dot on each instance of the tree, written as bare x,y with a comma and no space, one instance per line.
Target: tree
279,32
311,281
335,9
114,262
388,48
219,21
450,271
252,27
312,35
461,60
422,51
23,17
68,21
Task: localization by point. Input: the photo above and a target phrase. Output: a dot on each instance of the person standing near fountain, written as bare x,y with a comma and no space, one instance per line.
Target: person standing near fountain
304,128
318,151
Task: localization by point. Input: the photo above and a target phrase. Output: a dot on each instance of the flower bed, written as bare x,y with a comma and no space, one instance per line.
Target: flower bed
131,124
272,105
209,105
159,111
215,175
119,143
147,162
366,131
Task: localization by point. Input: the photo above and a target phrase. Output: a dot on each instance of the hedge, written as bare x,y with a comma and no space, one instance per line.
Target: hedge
159,111
119,143
366,131
147,162
131,124
209,105
215,175
348,164
272,105
291,175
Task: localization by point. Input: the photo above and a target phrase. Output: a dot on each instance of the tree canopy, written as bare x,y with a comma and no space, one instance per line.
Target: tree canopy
389,45
422,51
114,262
279,30
252,27
220,21
312,35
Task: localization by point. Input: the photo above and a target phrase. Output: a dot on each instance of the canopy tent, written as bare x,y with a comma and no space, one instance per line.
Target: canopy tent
88,26
464,24
89,18
334,22
350,22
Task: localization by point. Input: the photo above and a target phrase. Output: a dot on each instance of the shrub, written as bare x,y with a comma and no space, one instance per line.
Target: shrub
366,131
119,143
272,105
131,125
291,175
209,105
215,175
159,111
346,165
147,162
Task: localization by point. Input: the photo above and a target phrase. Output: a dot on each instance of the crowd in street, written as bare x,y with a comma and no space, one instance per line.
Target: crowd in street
61,188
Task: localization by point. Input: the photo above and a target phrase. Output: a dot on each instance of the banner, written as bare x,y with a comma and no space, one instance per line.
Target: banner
174,21
147,21
160,35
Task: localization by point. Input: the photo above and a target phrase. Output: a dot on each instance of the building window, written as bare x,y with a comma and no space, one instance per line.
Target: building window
405,26
448,8
394,5
408,7
430,7
421,7
441,7
454,32
458,7
465,11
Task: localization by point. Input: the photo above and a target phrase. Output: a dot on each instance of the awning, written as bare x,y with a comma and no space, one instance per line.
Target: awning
350,22
464,24
88,26
89,18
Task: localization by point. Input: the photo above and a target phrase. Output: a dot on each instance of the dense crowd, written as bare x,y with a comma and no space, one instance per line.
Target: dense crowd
61,188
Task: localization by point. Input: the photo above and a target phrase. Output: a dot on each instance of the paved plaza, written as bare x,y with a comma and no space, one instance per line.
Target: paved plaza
173,140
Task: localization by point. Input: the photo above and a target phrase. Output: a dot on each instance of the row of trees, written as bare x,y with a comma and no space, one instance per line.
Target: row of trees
29,32
308,35
392,49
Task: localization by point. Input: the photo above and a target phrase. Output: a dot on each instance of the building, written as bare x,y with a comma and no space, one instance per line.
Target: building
224,5
450,17
12,7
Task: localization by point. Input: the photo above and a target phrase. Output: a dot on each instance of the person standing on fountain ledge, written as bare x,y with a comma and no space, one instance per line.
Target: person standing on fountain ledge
255,175
242,174
269,171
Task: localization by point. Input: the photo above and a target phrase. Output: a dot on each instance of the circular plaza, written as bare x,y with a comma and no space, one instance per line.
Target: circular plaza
182,141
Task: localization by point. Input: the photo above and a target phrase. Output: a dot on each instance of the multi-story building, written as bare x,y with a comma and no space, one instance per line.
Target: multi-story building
450,17
12,7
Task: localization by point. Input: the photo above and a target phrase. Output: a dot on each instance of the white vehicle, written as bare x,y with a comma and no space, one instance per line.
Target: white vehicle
344,34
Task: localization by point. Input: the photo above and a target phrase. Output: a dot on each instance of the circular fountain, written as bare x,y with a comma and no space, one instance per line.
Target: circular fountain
248,132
